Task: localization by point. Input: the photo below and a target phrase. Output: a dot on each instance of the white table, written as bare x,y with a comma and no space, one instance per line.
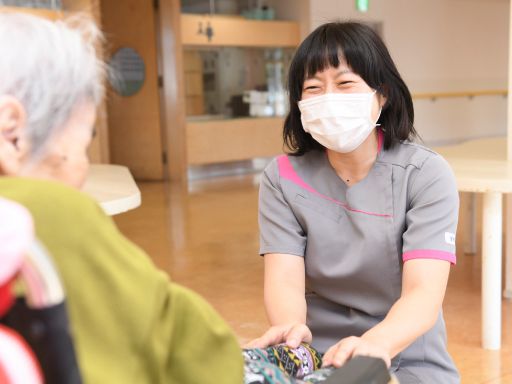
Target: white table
113,187
481,166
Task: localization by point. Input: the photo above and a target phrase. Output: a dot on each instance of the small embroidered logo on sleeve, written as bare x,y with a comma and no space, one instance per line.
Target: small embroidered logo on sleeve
449,238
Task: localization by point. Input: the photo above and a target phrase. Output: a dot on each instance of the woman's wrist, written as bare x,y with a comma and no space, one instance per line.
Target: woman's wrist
384,342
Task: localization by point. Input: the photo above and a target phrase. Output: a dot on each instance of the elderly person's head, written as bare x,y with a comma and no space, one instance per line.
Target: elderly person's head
50,85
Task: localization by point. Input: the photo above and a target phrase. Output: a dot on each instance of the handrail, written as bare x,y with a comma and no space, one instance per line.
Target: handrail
469,94
46,13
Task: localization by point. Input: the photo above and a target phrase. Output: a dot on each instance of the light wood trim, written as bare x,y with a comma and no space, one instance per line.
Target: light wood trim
237,31
218,141
509,101
45,13
172,102
443,95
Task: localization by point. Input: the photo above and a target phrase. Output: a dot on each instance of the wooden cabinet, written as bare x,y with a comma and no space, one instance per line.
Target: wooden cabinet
229,31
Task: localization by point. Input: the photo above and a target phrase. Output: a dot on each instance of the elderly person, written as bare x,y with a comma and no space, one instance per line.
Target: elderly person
130,323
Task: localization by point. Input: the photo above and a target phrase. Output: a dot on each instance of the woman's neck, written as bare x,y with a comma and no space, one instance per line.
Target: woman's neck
352,167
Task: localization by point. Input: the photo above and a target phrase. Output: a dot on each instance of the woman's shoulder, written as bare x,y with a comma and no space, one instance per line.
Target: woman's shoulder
286,163
293,167
423,169
411,154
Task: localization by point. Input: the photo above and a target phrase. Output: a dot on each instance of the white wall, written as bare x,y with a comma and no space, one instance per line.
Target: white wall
297,10
438,45
450,121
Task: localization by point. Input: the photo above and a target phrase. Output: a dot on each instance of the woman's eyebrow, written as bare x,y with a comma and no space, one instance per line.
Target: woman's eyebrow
341,72
344,71
309,77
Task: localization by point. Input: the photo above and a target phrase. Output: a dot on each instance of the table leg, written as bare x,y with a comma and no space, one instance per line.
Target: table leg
491,270
508,250
470,235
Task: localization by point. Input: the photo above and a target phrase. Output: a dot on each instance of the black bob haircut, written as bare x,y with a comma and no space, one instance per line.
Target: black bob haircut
366,55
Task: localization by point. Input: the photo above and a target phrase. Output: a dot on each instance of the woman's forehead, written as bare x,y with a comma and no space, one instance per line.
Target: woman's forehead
321,60
339,70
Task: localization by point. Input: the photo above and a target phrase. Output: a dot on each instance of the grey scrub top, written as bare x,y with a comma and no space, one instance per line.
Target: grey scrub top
354,241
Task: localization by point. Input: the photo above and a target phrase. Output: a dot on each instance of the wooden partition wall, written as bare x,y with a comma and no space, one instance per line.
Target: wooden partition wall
99,148
509,100
173,89
134,121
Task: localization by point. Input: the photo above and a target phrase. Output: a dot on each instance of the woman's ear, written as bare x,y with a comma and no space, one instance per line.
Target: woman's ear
13,146
382,92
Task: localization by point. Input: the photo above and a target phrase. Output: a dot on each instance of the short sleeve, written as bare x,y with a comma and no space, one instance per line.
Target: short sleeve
431,218
280,232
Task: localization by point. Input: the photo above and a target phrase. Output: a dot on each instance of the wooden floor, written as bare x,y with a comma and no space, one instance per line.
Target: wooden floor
206,237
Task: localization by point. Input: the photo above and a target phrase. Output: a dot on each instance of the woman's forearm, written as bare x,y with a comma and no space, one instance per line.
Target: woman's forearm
284,305
409,318
423,288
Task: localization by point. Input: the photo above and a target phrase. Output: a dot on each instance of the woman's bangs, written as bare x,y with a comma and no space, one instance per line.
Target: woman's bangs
318,60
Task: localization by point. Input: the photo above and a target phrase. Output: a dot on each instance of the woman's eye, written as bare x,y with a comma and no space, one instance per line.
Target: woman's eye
345,82
311,87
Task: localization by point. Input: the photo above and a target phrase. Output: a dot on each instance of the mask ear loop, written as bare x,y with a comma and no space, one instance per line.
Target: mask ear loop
378,117
374,123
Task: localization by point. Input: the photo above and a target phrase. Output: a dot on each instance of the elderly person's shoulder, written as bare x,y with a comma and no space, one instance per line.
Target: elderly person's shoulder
50,198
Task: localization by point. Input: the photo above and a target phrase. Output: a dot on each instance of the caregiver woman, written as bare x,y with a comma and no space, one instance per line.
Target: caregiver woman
357,223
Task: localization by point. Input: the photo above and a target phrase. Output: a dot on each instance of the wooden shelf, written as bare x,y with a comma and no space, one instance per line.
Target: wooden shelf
216,141
238,32
45,13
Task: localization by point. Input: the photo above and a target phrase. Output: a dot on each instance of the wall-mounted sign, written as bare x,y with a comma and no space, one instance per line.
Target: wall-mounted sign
362,5
128,71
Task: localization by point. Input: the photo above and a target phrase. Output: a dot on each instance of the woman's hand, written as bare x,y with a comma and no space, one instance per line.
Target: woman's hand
291,334
352,346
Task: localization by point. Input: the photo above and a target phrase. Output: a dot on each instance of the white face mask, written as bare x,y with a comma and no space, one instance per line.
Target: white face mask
339,121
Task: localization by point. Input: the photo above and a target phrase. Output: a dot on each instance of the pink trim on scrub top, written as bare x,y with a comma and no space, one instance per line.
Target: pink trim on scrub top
429,254
286,171
380,139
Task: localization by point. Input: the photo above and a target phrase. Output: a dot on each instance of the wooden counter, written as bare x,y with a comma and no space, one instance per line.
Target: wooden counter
217,141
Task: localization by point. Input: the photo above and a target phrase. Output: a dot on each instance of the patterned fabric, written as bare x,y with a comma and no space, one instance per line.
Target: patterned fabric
318,376
263,372
281,364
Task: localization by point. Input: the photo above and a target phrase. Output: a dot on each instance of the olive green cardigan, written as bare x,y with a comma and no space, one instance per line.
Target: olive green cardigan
130,323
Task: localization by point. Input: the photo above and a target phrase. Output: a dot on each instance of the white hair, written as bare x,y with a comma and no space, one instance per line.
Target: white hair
50,67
